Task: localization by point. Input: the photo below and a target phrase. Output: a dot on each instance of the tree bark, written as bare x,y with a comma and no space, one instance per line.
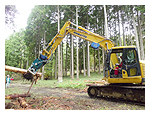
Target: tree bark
77,43
84,57
66,57
59,66
99,63
106,25
72,54
140,37
56,63
13,96
43,66
88,52
94,62
106,34
136,36
118,16
122,16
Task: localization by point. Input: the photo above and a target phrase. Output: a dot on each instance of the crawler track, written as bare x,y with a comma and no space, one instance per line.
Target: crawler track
129,92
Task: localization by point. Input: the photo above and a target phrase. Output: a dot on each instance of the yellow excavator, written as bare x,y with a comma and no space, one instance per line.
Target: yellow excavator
126,79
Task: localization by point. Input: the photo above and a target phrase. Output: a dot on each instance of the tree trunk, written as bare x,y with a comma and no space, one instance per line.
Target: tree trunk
99,62
84,57
106,25
77,43
27,64
61,52
94,62
43,66
62,72
118,16
136,36
88,52
59,66
140,37
13,96
106,34
72,54
122,17
19,70
56,51
66,57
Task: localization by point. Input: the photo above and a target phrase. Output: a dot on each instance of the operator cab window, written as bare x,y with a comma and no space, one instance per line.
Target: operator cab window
131,57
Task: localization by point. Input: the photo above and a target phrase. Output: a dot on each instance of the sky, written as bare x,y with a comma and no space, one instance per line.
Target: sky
21,18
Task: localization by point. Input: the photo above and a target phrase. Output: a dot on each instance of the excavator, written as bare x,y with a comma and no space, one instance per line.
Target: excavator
124,81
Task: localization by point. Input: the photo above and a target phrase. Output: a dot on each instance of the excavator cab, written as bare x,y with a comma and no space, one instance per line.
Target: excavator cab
125,70
131,62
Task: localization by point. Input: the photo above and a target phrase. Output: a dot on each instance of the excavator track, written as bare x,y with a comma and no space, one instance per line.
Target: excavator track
130,92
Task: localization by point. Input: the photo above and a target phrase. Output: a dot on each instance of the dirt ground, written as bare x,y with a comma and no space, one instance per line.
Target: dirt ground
67,99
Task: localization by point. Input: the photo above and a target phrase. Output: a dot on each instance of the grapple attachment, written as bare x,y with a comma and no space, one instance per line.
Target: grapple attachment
37,64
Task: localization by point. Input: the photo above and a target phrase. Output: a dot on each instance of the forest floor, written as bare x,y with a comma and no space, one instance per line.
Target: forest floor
48,98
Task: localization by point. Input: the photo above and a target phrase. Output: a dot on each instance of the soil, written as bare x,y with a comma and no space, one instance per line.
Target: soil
67,99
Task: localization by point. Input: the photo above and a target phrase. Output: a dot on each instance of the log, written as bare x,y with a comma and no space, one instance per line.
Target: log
96,82
13,96
19,70
22,102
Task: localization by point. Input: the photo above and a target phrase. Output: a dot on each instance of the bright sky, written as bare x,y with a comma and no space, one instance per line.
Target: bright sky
21,18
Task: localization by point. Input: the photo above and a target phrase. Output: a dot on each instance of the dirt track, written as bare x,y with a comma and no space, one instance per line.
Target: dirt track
69,99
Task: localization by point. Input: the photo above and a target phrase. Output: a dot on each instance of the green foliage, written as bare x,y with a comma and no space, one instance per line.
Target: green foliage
15,50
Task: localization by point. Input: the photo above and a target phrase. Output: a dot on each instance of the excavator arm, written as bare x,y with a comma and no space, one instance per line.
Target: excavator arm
80,32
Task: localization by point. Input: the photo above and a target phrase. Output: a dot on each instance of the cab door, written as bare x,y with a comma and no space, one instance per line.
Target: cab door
131,62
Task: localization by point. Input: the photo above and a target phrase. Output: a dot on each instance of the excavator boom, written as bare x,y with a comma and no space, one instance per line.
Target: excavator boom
80,32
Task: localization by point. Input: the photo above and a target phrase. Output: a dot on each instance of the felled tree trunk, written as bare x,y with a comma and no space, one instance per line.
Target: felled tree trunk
19,70
13,96
23,71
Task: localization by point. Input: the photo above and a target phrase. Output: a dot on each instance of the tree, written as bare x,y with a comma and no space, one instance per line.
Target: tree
106,34
77,43
43,66
140,19
118,15
59,64
88,55
15,50
136,36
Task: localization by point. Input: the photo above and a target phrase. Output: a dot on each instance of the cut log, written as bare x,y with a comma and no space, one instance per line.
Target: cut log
96,82
22,102
19,70
13,96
